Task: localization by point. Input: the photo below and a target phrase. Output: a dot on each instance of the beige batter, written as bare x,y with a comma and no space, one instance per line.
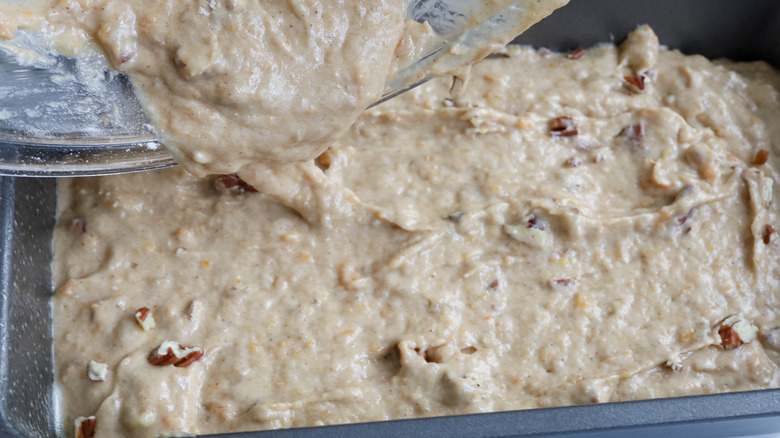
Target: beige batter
567,231
232,82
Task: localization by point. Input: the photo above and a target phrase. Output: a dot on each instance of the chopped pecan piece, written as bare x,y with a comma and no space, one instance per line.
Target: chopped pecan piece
562,282
172,353
85,426
682,220
535,233
78,225
563,127
531,220
729,339
535,222
145,318
573,162
234,182
768,232
735,331
634,133
762,156
636,83
576,54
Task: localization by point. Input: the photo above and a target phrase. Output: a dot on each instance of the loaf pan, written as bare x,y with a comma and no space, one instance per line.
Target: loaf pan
738,29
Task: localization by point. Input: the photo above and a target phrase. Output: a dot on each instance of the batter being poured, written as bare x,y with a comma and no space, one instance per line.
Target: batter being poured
232,82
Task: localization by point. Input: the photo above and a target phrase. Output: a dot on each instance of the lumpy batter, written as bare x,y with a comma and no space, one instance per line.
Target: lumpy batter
571,229
233,82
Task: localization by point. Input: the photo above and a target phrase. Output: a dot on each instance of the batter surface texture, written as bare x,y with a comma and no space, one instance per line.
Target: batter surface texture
569,230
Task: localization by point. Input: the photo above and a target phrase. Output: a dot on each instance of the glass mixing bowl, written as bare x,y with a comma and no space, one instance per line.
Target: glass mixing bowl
64,116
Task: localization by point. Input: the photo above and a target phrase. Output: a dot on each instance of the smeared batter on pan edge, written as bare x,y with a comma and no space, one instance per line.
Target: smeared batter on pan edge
567,231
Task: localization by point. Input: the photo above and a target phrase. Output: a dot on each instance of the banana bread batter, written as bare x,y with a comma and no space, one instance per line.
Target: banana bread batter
572,229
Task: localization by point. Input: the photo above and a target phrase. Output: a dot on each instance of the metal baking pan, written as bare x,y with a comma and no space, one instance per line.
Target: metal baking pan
738,29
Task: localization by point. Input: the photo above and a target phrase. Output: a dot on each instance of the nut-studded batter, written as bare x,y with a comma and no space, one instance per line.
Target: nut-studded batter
556,235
